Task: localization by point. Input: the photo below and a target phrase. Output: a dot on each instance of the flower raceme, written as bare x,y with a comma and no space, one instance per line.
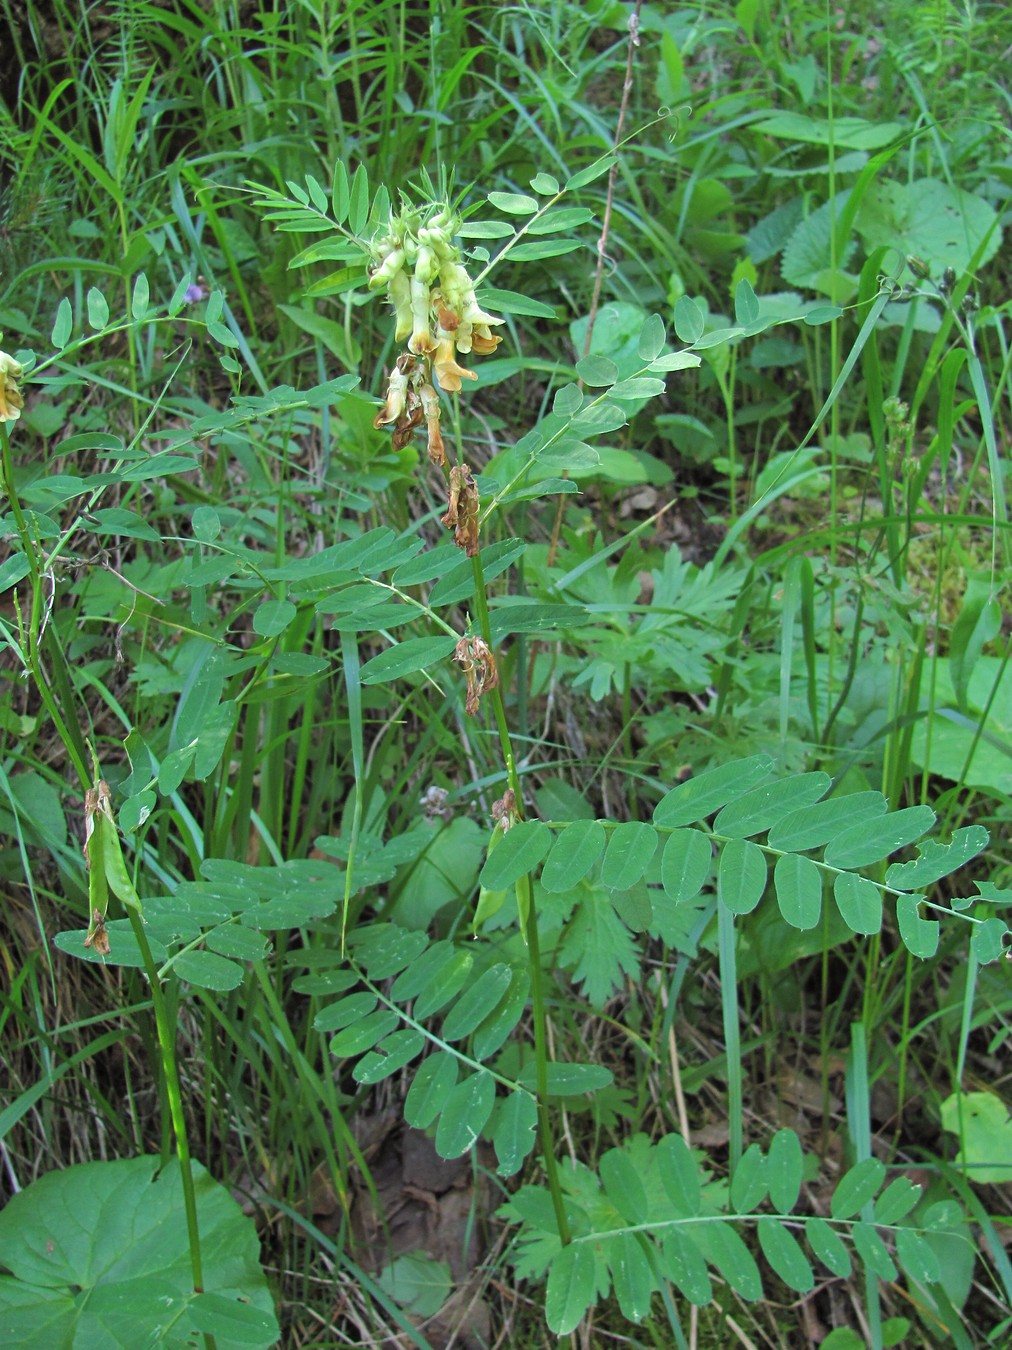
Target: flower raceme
11,400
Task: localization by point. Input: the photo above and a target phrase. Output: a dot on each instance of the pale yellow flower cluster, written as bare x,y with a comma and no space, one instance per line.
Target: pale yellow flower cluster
438,313
11,401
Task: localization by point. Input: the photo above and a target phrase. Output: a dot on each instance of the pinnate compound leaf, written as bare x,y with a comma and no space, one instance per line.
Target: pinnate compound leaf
828,1246
679,1174
572,1286
513,1132
576,851
452,978
465,1113
685,864
724,1248
384,949
859,902
783,1170
432,1084
344,1012
699,797
741,875
798,884
936,860
783,1252
356,1040
685,1267
427,970
405,658
749,1184
813,826
477,1003
630,851
623,1185
856,1187
871,841
392,1054
516,854
757,810
631,1275
872,1251
491,1034
919,935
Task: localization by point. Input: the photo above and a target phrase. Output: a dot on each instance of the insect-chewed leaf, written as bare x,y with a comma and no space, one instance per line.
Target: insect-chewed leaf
813,826
765,805
464,1114
356,1040
783,1170
572,1285
629,853
919,935
936,860
518,852
685,864
699,797
828,1246
405,658
392,1053
491,1034
623,1186
722,1246
679,1175
872,1251
988,940
741,875
859,902
513,1131
631,1275
871,841
798,884
575,852
783,1252
856,1187
429,1090
475,1005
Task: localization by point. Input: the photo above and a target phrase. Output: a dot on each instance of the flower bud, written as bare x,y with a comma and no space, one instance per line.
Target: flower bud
11,401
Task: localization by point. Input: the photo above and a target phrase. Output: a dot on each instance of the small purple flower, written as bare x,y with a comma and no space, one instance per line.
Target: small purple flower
195,291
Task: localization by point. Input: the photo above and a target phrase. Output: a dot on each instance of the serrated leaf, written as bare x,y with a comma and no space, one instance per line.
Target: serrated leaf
896,1201
783,1252
798,884
63,325
513,1132
920,936
576,851
872,840
828,1247
432,1083
872,1251
859,902
464,1114
598,946
652,337
629,853
741,875
761,808
517,853
405,658
623,1185
685,864
856,1188
813,826
208,971
392,1054
936,860
699,797
722,1246
679,1175
748,1184
572,1285
477,1003
685,1266
784,1165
